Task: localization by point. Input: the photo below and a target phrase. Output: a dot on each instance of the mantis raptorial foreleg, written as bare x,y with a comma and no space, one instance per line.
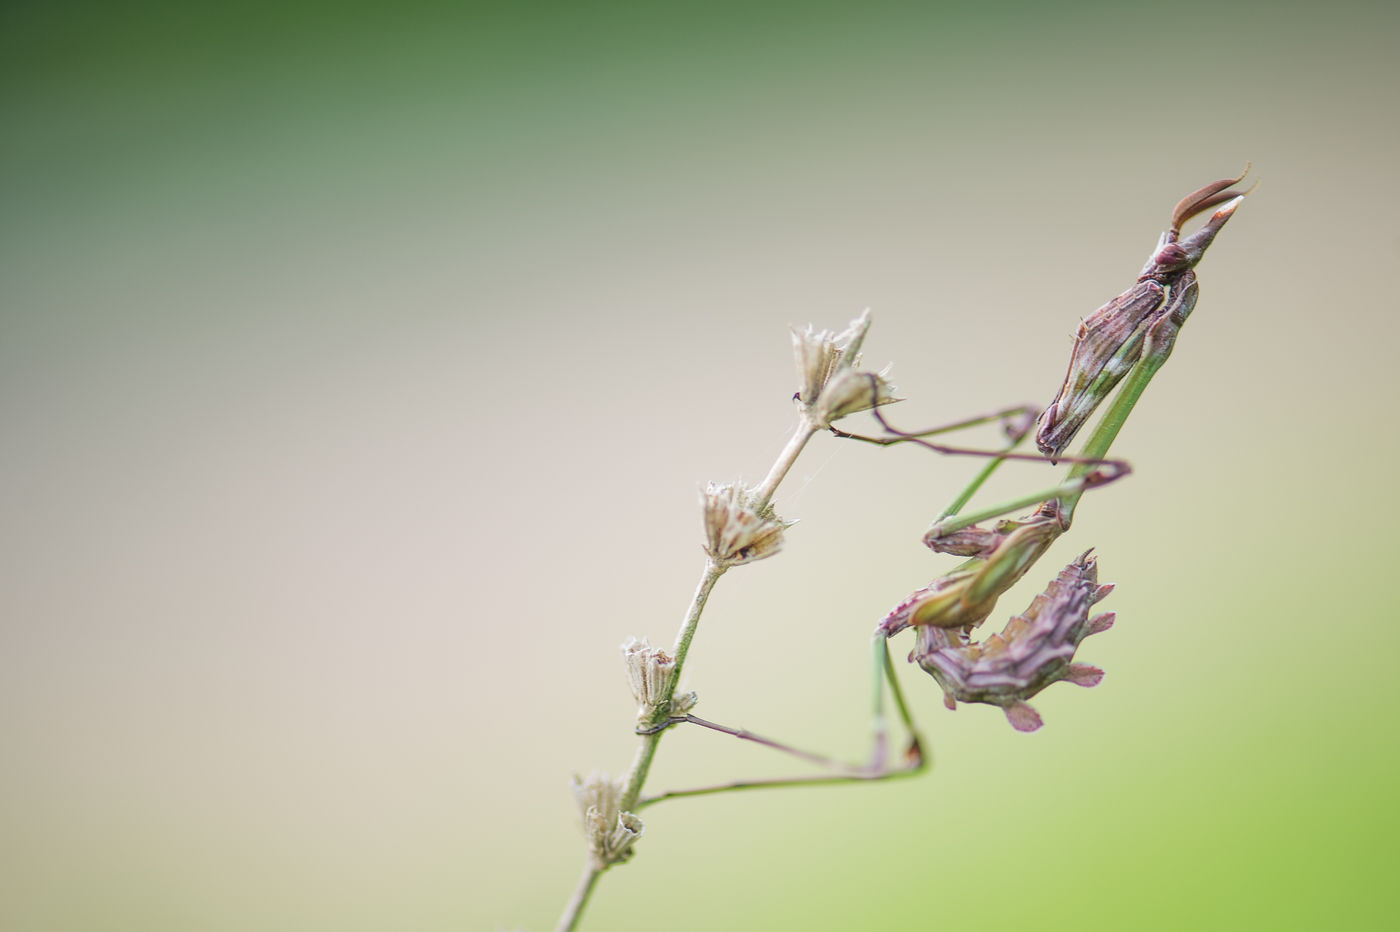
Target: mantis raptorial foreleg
1016,421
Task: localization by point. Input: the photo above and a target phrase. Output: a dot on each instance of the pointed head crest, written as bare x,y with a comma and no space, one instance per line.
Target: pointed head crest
1174,255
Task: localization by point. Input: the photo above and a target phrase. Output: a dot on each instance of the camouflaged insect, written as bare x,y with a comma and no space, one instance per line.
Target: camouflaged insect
1034,650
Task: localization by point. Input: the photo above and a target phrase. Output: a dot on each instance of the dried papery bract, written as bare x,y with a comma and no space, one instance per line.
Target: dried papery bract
829,384
609,831
820,353
650,671
850,391
682,703
736,531
1034,650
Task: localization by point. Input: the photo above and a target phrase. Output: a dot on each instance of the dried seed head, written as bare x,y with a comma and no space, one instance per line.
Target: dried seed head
819,353
650,670
735,531
610,832
829,385
852,390
1034,650
682,703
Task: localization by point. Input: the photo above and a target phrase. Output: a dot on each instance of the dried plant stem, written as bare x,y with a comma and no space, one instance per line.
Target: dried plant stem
573,910
646,749
764,493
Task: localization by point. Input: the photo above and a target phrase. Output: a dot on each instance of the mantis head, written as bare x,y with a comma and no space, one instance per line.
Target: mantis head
1174,255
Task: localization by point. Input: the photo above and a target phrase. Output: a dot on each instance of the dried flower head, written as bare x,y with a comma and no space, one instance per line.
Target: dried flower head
819,353
610,832
735,530
650,670
682,703
850,391
1034,650
829,384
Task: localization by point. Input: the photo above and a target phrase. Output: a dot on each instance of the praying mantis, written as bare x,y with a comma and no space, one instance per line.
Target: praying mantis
1123,343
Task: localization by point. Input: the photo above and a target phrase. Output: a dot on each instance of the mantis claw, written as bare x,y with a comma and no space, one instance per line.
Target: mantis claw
1204,198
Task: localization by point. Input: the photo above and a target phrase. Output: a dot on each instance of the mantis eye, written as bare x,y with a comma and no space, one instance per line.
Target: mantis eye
1171,257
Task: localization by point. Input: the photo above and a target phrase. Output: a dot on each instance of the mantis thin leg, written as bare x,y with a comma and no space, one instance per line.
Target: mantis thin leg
899,436
1078,482
1069,491
877,769
1090,470
744,734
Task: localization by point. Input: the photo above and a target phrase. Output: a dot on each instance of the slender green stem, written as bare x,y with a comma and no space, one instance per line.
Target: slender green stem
879,728
646,750
1071,486
646,747
713,571
883,672
897,691
985,473
1096,448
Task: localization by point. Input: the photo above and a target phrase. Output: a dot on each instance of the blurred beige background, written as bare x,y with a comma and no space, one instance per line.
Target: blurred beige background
358,373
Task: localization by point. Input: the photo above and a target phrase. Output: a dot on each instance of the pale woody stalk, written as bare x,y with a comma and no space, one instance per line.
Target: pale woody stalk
740,527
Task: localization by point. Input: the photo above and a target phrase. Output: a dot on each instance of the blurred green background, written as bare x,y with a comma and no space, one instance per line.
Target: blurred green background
359,366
